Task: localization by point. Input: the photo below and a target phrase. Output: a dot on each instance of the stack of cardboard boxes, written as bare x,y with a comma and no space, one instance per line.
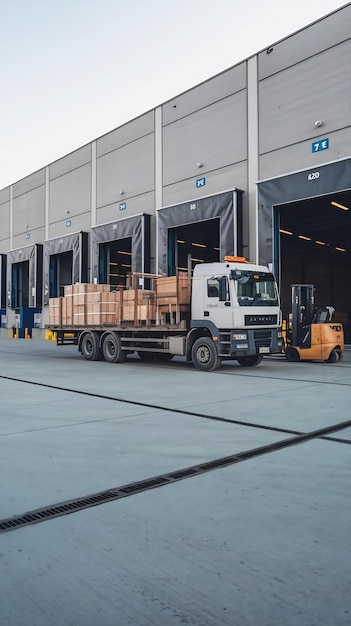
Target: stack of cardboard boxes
83,304
89,304
137,305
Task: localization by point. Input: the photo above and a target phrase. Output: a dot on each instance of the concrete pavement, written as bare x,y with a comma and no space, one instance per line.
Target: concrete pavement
262,542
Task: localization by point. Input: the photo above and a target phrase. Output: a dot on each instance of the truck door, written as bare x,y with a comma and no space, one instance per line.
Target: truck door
217,302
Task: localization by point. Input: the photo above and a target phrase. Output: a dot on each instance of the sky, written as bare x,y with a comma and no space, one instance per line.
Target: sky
72,70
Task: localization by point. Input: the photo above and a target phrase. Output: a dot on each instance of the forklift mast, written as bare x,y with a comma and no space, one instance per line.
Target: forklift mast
302,310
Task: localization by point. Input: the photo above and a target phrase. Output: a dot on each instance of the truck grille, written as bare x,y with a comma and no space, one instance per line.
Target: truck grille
262,338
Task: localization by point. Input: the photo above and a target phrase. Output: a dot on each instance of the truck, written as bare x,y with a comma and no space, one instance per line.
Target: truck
226,310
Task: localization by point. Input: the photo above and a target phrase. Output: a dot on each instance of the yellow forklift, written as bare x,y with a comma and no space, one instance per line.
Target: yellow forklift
310,333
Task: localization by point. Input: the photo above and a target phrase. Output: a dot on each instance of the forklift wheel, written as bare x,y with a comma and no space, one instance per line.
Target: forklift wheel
334,357
291,354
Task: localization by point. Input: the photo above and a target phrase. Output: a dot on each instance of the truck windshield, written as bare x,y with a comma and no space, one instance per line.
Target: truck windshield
256,289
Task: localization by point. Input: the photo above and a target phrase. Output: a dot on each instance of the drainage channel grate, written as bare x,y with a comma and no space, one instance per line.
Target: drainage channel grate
78,504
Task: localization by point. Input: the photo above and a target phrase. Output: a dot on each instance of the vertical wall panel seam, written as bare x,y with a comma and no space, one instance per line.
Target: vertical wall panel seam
158,169
11,218
93,189
93,204
158,158
47,203
252,152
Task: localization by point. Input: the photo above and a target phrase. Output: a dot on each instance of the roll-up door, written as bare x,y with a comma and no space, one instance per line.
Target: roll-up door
304,222
119,248
66,261
201,230
25,276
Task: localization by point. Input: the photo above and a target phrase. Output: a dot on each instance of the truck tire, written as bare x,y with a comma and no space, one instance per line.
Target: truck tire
90,347
204,355
292,355
112,349
250,361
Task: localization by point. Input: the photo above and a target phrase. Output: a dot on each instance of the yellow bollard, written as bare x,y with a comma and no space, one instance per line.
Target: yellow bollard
26,333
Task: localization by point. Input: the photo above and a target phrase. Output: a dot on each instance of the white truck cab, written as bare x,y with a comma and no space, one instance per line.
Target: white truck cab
238,303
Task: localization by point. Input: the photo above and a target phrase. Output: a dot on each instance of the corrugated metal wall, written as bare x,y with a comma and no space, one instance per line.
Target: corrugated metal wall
155,159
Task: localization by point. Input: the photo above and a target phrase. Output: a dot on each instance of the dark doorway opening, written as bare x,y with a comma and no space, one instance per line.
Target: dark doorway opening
61,268
313,237
115,261
20,285
191,244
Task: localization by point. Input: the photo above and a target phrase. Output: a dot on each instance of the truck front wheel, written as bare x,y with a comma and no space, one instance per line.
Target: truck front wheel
112,349
90,347
204,355
250,361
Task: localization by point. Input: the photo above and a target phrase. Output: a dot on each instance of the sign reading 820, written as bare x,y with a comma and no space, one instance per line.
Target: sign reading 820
313,176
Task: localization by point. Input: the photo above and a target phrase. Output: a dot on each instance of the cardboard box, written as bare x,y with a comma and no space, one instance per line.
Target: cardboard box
80,288
55,311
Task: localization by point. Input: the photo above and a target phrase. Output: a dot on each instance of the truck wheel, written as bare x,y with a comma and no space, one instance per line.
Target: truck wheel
204,355
250,361
90,347
334,357
112,349
291,354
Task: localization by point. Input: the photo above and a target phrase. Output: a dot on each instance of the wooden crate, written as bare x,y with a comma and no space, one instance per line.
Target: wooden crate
172,298
140,295
172,289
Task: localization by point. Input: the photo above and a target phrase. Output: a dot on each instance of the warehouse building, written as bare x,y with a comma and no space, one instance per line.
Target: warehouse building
255,161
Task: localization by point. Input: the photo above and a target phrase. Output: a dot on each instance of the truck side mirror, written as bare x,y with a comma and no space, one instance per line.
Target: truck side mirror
222,289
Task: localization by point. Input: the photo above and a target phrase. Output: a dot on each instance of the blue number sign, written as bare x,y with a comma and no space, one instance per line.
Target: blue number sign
322,144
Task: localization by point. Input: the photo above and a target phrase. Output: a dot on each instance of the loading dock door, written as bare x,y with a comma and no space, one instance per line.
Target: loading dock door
222,210
25,276
66,261
125,243
318,251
